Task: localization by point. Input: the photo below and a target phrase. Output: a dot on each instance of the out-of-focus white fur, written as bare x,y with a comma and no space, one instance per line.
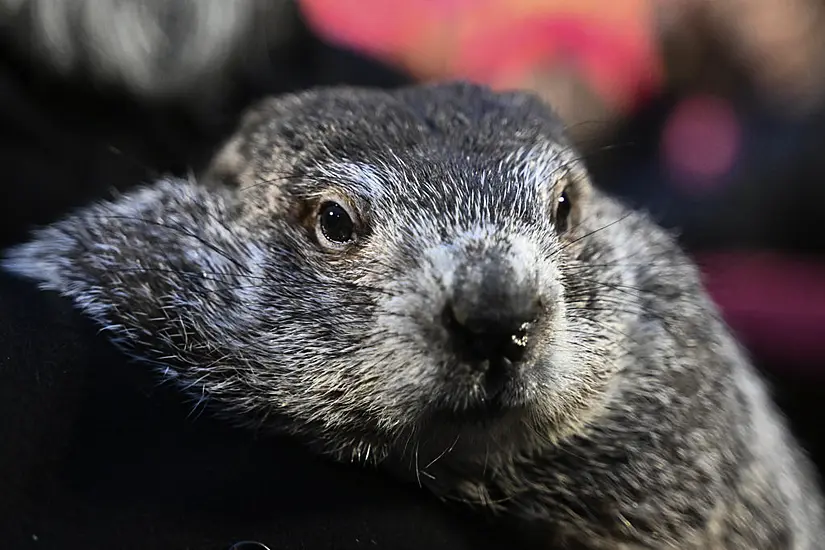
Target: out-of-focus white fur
152,48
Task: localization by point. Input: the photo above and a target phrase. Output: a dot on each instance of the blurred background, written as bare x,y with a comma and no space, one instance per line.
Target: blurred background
708,113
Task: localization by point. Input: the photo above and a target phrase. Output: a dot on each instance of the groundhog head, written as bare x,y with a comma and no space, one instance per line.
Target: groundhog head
382,271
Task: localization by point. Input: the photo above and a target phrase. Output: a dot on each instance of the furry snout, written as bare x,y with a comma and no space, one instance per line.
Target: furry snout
493,306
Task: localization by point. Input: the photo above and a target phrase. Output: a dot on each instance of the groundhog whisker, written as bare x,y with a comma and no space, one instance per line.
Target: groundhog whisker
446,451
598,229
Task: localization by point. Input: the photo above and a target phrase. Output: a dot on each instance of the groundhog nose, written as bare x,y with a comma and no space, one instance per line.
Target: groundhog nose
483,333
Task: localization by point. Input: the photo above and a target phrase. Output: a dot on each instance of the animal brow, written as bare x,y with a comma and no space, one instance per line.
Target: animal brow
365,179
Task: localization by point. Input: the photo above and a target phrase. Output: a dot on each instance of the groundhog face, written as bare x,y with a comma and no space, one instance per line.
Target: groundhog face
368,268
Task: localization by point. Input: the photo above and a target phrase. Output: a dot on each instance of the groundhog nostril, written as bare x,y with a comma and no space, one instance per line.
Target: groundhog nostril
487,335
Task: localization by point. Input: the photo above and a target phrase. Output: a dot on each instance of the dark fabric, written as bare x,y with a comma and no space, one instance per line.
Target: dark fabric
94,453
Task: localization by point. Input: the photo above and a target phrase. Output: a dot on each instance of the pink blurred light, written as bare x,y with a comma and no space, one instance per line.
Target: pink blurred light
700,142
775,303
622,71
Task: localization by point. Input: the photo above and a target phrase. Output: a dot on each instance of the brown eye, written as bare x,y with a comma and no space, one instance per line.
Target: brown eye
336,224
563,209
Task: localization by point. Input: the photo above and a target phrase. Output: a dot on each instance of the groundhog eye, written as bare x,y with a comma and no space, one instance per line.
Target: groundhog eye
336,224
563,208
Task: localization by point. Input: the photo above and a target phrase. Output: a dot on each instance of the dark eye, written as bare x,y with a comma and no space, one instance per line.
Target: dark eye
336,224
563,208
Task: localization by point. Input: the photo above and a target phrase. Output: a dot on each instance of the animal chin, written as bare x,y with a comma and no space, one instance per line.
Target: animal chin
499,389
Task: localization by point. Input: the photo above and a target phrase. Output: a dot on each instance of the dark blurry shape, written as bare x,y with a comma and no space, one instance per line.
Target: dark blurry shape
154,49
701,142
776,47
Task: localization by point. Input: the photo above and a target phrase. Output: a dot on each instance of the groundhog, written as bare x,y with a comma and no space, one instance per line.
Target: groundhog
426,280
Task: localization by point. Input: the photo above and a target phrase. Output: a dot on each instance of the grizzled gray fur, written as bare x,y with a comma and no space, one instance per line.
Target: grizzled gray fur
426,279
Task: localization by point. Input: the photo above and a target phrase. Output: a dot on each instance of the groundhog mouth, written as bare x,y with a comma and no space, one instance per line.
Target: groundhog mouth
479,415
499,391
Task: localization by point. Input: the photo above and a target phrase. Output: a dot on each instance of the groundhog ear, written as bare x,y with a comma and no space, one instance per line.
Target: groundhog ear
102,252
